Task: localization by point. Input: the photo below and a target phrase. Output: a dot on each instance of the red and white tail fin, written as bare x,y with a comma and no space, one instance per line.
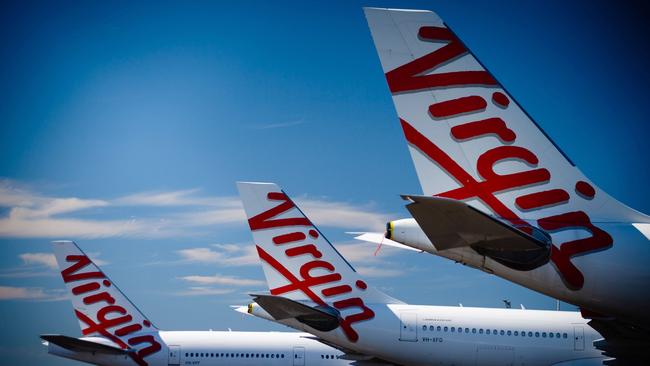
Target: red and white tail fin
101,308
299,262
468,138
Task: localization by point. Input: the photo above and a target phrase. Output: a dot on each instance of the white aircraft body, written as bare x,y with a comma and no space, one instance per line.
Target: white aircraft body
499,195
313,288
116,333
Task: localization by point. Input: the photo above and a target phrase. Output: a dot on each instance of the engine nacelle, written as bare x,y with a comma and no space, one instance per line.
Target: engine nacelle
407,231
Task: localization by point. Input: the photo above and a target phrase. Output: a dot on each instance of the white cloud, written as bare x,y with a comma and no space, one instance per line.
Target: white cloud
378,271
223,254
34,215
218,279
343,215
30,293
45,259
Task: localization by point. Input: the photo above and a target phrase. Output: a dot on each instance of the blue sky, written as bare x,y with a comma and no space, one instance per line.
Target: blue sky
124,127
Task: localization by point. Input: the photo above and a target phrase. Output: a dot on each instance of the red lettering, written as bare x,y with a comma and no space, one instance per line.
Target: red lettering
144,352
490,126
416,75
81,261
454,107
598,240
304,249
336,290
365,314
264,219
82,289
102,296
536,200
289,238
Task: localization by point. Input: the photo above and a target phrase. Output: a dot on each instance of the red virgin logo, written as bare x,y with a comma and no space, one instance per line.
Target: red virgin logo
409,78
297,247
111,320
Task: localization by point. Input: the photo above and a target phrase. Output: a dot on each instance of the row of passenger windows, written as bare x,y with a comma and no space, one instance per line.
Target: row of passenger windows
516,333
234,355
246,355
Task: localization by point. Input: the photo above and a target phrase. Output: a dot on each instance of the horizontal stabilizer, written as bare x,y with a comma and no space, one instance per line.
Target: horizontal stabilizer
81,345
453,224
281,308
380,238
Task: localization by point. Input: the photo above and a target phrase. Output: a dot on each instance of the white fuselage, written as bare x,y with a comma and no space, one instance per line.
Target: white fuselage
223,348
612,277
439,335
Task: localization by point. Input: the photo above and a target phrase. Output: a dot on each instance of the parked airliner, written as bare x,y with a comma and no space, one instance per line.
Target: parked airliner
499,195
313,288
116,333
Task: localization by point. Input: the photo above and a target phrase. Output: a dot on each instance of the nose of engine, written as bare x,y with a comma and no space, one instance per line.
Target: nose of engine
389,230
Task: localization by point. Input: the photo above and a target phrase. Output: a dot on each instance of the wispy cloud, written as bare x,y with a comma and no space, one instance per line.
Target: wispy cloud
269,126
34,215
222,254
45,259
31,294
218,279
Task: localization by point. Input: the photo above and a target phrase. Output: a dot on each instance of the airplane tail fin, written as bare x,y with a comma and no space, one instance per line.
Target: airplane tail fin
468,137
299,262
101,308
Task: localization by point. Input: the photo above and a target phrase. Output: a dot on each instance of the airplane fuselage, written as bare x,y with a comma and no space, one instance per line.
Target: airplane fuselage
222,348
438,335
612,278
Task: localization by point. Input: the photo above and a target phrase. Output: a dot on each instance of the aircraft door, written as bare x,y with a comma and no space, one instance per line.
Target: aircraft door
174,355
408,331
578,338
298,356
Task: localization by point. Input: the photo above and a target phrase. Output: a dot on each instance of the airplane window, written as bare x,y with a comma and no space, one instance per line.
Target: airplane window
509,333
473,330
446,329
327,357
424,328
536,334
431,328
232,355
321,356
557,335
438,329
543,334
186,354
530,334
480,331
487,331
550,334
211,354
460,330
453,329
502,332
272,355
277,355
466,330
494,332
564,335
282,355
516,333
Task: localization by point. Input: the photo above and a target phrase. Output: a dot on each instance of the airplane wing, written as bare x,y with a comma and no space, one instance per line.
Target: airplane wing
450,223
81,345
380,238
281,308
